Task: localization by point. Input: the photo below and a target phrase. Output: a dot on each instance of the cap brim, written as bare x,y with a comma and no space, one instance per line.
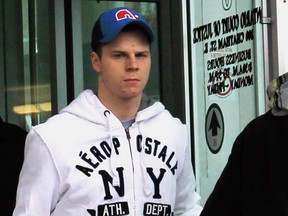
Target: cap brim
116,30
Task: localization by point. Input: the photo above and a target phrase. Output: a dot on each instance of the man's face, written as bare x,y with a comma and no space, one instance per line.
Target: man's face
124,66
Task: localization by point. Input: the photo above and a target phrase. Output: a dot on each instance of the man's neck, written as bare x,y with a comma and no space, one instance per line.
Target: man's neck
122,108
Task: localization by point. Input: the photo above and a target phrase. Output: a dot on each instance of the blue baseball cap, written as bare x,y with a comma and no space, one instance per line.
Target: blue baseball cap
111,23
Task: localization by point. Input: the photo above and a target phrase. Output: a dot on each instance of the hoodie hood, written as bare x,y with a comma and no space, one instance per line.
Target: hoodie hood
277,93
88,106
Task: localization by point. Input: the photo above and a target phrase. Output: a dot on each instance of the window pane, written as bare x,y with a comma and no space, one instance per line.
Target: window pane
35,104
11,74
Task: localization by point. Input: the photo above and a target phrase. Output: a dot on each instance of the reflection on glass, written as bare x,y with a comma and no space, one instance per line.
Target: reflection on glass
36,105
90,11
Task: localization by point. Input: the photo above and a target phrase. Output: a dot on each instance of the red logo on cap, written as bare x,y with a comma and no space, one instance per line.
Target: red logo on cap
125,14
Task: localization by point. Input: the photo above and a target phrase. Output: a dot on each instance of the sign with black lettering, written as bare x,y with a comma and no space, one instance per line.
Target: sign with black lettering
227,65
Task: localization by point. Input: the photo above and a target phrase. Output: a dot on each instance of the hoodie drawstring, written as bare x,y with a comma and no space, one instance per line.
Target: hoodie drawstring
116,181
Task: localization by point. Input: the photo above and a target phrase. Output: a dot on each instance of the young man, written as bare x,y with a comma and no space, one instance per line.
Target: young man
116,151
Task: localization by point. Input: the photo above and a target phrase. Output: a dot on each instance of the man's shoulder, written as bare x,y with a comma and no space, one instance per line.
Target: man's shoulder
8,129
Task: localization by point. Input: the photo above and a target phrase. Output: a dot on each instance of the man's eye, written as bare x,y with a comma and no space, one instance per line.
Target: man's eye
118,55
142,55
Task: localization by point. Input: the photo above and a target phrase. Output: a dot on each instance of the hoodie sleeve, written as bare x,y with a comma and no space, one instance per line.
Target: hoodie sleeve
187,199
38,188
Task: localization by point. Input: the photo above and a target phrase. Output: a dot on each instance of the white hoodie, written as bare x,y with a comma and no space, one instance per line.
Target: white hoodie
82,162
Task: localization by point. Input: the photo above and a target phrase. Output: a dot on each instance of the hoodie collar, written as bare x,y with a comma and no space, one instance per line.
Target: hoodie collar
87,106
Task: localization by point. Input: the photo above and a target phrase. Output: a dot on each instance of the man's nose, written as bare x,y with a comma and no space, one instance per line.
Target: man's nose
132,63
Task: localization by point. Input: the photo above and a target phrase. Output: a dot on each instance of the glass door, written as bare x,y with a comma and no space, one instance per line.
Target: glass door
228,79
25,62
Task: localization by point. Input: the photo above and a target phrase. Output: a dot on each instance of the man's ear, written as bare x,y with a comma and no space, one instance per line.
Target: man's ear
96,62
